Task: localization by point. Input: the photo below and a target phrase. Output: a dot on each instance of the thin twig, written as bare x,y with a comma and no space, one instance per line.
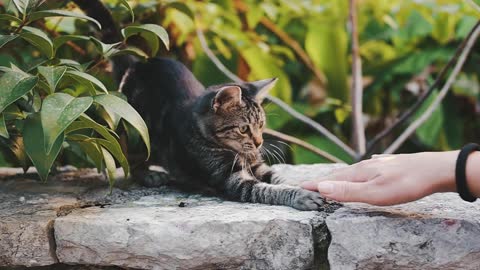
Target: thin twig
421,100
441,95
358,127
303,144
274,100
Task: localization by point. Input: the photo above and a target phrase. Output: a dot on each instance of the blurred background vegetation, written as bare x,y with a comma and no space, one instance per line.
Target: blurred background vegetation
403,46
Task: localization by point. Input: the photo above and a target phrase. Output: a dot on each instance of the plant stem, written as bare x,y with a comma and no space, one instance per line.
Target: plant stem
441,95
358,128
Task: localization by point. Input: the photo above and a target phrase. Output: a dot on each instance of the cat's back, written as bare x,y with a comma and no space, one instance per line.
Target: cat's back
168,79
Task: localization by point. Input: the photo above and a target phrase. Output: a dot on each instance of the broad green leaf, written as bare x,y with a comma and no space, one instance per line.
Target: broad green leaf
86,78
32,138
61,13
429,131
182,7
3,127
105,49
326,44
86,122
127,112
91,149
38,39
148,28
72,64
59,41
25,6
115,149
130,51
4,39
58,112
13,86
8,17
110,166
125,4
52,75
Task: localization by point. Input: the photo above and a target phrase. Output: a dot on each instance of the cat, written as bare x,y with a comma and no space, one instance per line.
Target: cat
203,136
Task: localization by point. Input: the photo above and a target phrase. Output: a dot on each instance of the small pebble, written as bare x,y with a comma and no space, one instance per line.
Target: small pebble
21,199
182,204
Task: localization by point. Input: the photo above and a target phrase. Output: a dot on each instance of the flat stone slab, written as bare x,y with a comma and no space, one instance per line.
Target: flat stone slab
438,232
73,220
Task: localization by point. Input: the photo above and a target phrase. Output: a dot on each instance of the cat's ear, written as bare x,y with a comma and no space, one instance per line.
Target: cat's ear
227,97
262,88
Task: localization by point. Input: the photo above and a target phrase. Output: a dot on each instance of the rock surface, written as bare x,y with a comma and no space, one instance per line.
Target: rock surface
438,232
72,222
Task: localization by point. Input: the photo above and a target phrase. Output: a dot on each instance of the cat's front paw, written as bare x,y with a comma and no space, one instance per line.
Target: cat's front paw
306,200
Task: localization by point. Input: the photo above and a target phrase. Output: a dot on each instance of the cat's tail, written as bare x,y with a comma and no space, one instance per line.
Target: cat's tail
110,33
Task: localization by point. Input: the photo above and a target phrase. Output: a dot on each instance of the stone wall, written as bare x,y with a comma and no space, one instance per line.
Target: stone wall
72,222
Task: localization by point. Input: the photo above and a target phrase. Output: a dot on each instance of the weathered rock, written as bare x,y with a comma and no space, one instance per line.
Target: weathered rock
437,232
201,235
141,228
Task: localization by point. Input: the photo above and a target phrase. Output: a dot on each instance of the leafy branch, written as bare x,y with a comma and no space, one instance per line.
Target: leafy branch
466,47
414,108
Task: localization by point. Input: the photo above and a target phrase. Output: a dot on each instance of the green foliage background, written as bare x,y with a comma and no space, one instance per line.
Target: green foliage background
403,45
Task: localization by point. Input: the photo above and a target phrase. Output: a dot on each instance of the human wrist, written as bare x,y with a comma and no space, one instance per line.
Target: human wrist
473,173
445,177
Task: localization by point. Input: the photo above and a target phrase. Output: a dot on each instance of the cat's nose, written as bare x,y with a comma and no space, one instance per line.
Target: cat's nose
258,141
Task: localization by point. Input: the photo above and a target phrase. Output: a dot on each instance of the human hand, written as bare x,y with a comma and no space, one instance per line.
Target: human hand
390,179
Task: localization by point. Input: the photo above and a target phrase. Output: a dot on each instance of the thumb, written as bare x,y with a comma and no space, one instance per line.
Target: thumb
344,191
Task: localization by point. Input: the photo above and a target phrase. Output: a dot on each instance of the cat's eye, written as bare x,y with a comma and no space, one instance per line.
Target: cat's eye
243,129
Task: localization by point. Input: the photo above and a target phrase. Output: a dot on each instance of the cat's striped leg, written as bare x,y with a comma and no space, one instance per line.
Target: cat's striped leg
241,186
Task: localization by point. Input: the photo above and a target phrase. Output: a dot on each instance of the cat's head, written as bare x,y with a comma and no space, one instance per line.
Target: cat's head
232,115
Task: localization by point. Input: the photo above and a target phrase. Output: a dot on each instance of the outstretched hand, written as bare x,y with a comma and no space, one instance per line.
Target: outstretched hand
390,179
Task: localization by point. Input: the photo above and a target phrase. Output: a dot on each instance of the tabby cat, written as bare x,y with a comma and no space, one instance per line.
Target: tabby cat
202,136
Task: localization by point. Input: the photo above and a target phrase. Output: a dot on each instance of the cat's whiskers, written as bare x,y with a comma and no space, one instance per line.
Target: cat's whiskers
275,158
233,165
279,150
278,155
286,144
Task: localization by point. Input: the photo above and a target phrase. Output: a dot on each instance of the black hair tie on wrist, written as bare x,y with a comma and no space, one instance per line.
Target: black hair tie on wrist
460,171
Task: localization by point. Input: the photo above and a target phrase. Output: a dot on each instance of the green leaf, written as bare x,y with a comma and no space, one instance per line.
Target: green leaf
148,28
127,112
61,13
83,77
115,149
91,149
24,6
130,51
182,7
38,39
105,49
327,45
32,135
110,165
58,112
430,130
3,127
8,17
59,41
52,75
88,123
125,4
4,39
14,85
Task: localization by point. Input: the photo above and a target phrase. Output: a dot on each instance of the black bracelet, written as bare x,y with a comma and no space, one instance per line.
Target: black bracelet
460,171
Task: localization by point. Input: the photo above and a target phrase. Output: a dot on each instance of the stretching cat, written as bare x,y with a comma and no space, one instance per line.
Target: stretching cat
204,137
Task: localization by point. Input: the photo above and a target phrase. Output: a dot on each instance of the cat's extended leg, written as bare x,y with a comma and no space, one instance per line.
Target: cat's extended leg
243,187
264,173
151,176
